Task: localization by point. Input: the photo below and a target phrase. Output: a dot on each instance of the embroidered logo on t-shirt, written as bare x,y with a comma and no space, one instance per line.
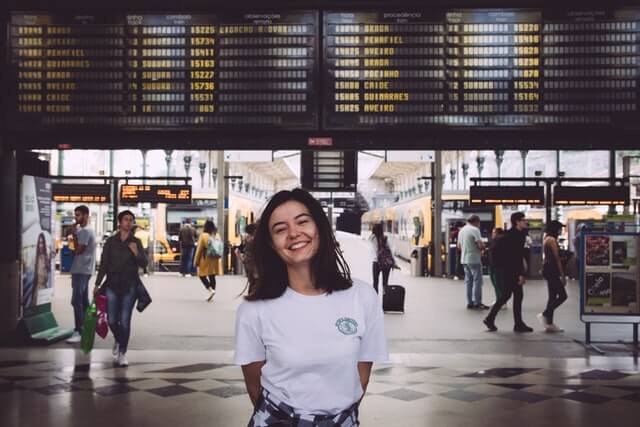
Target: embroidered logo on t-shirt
347,325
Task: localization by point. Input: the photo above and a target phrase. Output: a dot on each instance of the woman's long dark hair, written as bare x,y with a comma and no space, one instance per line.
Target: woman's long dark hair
379,233
209,227
328,268
553,229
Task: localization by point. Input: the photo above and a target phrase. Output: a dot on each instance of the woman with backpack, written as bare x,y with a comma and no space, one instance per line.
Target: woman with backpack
207,258
381,256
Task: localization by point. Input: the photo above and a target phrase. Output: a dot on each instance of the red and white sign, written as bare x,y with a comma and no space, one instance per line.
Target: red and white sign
320,142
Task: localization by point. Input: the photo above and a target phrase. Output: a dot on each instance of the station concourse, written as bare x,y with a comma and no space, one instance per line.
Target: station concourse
411,118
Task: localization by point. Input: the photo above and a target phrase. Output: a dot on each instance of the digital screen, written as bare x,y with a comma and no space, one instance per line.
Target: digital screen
81,193
158,71
174,194
506,195
601,195
329,171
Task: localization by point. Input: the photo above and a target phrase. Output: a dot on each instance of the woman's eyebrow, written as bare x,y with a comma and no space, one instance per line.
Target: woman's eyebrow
304,214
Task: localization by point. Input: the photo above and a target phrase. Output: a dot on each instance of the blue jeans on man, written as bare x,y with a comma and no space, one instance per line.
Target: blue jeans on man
473,283
79,298
119,310
186,259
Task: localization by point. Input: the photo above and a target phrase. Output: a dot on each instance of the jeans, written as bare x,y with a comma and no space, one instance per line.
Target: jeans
186,259
473,282
557,295
119,309
79,298
508,283
376,276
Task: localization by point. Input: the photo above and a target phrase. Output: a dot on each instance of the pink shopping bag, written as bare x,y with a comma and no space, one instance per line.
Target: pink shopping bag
102,327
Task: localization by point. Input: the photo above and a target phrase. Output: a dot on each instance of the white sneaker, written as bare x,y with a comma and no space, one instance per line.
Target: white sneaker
543,320
554,328
122,360
116,349
75,338
212,292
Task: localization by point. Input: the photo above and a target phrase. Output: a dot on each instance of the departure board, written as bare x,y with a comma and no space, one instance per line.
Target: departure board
384,69
590,61
176,194
493,67
158,71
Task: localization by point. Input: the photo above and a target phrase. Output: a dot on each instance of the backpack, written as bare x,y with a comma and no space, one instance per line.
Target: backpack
385,258
214,247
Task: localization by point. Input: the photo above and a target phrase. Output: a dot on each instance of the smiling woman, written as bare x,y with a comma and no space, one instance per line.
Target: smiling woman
307,335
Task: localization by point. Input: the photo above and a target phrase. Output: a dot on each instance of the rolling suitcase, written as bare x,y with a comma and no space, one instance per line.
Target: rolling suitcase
393,298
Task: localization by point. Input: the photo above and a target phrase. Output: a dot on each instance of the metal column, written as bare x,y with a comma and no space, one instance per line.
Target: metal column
436,192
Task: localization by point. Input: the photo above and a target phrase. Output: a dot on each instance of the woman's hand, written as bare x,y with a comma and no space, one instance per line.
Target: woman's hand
96,291
563,280
133,248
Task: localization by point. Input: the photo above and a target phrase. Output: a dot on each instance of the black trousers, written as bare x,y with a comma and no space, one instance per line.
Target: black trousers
507,281
209,282
376,276
557,294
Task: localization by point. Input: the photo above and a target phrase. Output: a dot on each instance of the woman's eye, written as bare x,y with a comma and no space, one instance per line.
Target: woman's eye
279,230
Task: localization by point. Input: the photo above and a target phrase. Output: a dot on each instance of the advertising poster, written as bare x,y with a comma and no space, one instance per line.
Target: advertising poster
38,250
624,291
597,250
598,288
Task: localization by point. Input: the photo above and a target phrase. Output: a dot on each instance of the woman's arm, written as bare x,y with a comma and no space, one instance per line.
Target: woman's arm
364,369
196,258
252,373
556,255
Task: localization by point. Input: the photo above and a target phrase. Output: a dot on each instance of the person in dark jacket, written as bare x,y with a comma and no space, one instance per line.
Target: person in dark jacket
122,256
508,261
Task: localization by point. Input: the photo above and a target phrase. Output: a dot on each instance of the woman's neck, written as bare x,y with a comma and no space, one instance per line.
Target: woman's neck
124,235
301,280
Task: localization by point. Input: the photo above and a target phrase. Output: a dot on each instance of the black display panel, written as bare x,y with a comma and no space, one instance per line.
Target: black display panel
326,170
160,71
590,61
81,193
592,195
174,194
506,195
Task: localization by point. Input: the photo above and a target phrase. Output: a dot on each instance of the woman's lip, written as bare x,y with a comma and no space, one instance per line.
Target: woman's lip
303,244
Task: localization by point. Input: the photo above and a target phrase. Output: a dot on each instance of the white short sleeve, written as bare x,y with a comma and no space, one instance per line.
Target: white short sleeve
249,345
373,346
476,234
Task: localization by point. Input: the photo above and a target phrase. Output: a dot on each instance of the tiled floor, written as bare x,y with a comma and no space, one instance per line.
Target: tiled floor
446,370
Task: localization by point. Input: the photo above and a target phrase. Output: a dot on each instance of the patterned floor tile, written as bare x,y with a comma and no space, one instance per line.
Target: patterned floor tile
7,387
547,390
182,380
114,389
404,394
399,370
125,379
512,386
583,397
635,397
487,389
607,391
463,395
207,384
14,363
189,369
430,388
376,387
499,373
524,396
171,391
55,389
599,374
226,392
149,384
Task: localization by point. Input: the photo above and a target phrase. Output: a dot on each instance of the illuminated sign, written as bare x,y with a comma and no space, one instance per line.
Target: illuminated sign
506,195
175,194
328,171
592,195
158,71
81,193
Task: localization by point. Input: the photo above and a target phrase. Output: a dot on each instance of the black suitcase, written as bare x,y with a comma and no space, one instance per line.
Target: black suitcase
393,298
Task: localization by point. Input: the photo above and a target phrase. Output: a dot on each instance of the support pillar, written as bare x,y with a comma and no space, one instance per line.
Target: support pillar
436,191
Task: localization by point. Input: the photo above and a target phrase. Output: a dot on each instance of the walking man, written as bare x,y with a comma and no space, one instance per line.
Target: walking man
84,263
508,259
471,246
187,240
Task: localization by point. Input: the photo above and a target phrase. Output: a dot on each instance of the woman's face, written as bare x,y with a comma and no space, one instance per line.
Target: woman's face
41,244
294,233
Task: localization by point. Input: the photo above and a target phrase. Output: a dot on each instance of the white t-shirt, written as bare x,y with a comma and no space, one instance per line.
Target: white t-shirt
312,345
468,237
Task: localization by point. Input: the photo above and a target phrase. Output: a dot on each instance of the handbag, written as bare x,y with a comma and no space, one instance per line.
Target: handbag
144,299
89,328
102,327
